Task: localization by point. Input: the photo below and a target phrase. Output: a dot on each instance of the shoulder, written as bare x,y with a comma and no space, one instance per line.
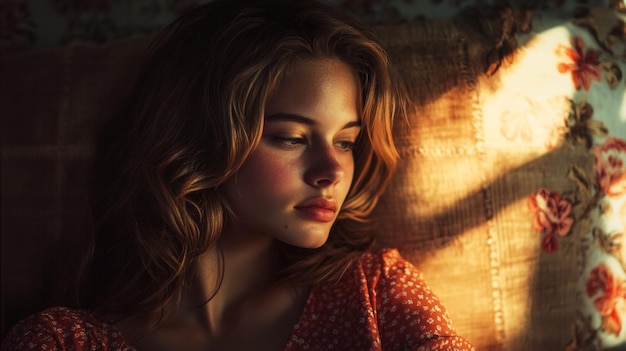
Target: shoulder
391,277
387,265
61,328
405,306
394,281
381,261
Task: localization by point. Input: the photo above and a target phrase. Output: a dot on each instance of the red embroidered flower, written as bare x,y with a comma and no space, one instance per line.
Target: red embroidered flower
550,243
608,294
551,216
610,166
551,212
584,66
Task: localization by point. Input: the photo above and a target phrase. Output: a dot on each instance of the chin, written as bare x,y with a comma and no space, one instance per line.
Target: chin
316,245
308,241
309,244
304,235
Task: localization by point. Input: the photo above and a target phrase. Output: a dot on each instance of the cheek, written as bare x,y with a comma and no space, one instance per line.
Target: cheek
265,172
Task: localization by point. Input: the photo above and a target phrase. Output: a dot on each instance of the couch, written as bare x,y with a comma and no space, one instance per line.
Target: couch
510,196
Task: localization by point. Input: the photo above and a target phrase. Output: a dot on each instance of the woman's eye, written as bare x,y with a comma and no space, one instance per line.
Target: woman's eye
346,145
288,142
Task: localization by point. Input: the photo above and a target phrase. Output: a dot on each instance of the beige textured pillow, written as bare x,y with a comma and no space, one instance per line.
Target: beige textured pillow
437,209
458,205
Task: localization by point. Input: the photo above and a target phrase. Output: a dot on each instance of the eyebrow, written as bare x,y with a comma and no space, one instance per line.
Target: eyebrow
290,117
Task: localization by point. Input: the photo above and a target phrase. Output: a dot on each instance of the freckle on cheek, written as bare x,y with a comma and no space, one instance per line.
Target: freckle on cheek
286,226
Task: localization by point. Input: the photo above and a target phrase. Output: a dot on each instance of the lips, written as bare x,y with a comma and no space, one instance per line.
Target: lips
318,209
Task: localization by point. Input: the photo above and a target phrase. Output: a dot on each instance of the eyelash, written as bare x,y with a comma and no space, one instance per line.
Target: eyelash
347,145
293,143
288,143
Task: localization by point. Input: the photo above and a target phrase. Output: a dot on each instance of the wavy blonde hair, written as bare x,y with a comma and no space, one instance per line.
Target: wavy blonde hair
196,113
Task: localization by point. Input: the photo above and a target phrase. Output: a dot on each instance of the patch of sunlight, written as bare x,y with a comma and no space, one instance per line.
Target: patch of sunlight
526,104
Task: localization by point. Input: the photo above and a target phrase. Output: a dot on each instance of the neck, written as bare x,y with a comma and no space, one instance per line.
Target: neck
240,269
249,301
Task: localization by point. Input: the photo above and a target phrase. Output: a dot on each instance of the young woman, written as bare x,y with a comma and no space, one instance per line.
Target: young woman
232,193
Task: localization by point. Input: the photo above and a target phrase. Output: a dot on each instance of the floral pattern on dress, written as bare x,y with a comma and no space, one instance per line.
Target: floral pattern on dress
382,304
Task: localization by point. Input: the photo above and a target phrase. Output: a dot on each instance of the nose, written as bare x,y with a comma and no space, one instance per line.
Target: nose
324,168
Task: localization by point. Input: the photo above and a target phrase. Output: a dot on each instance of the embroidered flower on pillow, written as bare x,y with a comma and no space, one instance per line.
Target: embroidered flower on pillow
551,216
609,297
610,166
584,65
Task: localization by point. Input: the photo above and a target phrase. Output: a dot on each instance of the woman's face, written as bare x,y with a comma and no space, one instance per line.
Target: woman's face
295,181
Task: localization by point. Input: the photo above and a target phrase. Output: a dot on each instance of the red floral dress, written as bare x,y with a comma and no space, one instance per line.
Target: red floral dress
382,305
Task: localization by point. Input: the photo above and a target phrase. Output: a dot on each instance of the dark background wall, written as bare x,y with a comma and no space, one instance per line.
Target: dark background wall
44,23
